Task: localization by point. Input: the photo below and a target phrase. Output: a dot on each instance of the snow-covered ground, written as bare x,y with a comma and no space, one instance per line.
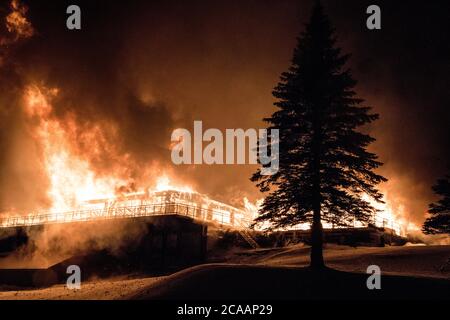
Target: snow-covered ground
420,262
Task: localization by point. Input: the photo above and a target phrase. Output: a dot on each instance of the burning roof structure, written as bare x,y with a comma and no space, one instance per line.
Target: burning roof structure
142,204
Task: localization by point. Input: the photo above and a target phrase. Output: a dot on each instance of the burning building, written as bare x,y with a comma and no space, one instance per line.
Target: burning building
190,210
141,204
86,137
182,213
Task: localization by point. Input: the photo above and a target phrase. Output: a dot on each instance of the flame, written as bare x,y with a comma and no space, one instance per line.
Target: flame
17,23
71,179
387,217
390,216
36,101
73,183
163,183
253,207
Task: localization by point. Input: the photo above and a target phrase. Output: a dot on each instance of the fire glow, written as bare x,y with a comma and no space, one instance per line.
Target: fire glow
71,179
77,194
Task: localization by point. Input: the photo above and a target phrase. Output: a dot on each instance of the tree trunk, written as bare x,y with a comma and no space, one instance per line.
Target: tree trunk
316,227
317,242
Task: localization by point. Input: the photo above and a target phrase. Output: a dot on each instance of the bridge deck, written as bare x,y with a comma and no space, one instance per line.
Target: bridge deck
144,210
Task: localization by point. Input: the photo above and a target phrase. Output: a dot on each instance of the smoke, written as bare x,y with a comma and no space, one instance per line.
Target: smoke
135,72
75,114
18,154
50,244
403,74
105,121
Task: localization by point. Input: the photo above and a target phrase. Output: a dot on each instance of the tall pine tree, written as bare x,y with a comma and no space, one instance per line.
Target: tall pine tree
324,165
439,222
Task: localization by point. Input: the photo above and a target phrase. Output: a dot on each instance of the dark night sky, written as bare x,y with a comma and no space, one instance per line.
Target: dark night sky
149,67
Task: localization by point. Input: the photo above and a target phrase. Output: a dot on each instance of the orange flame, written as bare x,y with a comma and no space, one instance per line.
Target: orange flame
17,23
163,183
71,178
73,182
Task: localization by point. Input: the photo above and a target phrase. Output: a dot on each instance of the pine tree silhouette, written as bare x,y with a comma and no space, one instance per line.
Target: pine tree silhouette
324,165
439,222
